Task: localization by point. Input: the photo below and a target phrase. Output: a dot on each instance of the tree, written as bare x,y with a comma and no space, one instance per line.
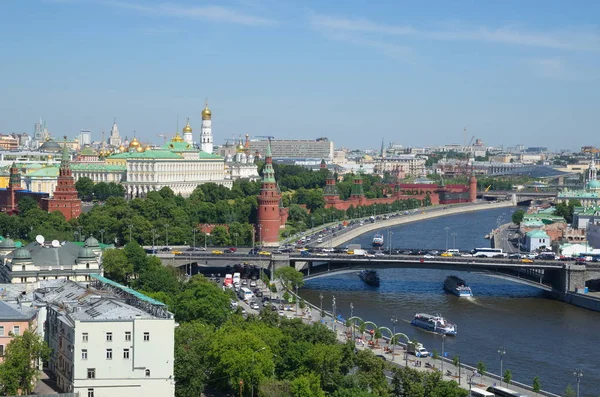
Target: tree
536,386
116,265
507,376
219,236
517,216
569,392
85,188
202,300
308,385
192,341
290,276
481,368
19,372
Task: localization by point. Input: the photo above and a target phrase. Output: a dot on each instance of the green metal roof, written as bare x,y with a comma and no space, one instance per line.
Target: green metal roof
97,167
46,172
537,234
178,146
127,289
208,156
149,154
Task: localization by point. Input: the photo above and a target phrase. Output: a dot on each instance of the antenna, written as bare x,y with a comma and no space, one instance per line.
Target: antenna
40,239
55,243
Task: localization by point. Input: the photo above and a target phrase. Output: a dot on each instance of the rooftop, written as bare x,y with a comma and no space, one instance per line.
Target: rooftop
537,234
16,312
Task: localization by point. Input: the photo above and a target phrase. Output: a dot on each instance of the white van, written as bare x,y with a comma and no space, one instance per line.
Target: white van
475,392
453,251
245,294
237,278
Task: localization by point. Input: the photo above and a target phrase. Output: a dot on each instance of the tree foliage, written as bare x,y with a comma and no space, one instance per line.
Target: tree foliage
19,372
517,216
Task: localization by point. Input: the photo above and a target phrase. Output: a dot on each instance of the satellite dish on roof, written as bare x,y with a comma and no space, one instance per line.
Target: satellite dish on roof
40,239
55,243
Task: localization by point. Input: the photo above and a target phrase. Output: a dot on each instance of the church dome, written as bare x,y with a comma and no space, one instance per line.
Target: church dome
240,148
147,148
593,184
206,114
122,148
139,149
85,253
50,147
92,242
134,143
7,243
177,138
187,129
22,253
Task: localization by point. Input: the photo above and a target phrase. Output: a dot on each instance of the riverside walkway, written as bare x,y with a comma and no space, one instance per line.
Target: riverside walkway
465,375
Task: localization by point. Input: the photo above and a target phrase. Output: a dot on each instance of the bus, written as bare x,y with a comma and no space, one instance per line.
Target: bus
489,253
504,392
245,294
475,392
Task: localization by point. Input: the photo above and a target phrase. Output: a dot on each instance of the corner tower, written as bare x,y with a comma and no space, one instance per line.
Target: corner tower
65,195
269,218
206,138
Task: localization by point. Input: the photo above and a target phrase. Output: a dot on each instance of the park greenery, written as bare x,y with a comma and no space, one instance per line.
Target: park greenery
19,371
217,348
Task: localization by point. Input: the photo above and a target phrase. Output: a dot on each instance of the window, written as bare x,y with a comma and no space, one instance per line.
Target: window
109,336
147,373
127,336
90,393
1,330
91,373
16,330
84,337
146,336
1,350
84,354
109,354
126,354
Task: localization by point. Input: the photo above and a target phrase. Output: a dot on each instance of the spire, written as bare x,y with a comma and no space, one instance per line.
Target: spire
15,176
66,160
381,152
268,153
268,171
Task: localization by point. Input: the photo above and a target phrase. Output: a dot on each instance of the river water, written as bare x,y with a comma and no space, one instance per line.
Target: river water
541,336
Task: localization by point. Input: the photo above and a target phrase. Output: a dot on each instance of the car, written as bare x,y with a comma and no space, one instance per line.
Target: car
176,252
446,254
264,253
217,252
196,249
254,305
322,254
526,260
427,256
253,283
466,255
232,249
514,256
254,251
234,304
258,294
243,311
165,249
379,253
244,281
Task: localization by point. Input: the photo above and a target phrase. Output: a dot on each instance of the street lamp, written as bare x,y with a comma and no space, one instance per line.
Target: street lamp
260,235
501,352
394,321
446,229
578,373
321,313
167,235
453,240
443,340
333,298
153,237
194,231
102,236
236,236
296,299
352,315
252,374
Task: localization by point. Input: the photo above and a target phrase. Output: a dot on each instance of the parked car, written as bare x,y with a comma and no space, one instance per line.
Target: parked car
264,253
176,252
217,252
253,283
526,260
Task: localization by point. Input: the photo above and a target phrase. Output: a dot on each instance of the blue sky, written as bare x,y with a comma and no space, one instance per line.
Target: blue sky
413,73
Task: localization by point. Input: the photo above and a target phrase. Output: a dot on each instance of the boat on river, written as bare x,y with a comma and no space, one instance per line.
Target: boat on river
378,240
457,286
370,277
437,324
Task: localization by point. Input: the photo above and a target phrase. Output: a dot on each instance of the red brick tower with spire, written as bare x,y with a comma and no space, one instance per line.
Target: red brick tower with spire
65,195
269,218
472,187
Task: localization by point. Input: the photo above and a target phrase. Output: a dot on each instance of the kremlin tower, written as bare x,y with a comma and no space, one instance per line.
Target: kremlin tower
271,217
65,197
206,138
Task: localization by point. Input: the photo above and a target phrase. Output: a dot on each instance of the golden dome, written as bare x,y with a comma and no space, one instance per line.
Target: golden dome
177,138
121,148
206,114
147,148
134,143
187,128
139,149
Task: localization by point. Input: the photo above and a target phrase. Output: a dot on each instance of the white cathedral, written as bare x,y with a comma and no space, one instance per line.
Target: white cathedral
178,164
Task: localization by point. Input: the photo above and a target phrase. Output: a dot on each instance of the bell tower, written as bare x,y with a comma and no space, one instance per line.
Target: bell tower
206,138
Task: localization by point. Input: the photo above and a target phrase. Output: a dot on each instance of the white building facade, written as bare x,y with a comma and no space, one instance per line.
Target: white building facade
206,138
108,340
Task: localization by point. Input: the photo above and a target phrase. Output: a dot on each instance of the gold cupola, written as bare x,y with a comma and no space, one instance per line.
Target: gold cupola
177,138
134,144
206,114
187,129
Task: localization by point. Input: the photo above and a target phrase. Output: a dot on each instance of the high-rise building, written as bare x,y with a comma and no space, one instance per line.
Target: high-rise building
85,137
114,139
321,148
206,138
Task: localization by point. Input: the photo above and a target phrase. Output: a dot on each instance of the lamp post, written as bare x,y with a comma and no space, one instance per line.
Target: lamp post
252,382
470,382
446,229
166,235
501,352
578,373
296,286
333,299
130,227
453,240
394,321
235,235
102,236
443,340
260,235
352,315
321,313
153,237
194,232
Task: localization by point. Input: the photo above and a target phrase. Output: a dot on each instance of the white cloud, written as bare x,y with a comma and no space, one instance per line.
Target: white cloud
208,13
567,39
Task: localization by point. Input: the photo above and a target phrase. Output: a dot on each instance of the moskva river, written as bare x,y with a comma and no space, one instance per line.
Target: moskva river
541,336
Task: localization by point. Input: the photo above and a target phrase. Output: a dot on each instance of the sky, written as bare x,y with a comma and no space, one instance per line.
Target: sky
410,73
